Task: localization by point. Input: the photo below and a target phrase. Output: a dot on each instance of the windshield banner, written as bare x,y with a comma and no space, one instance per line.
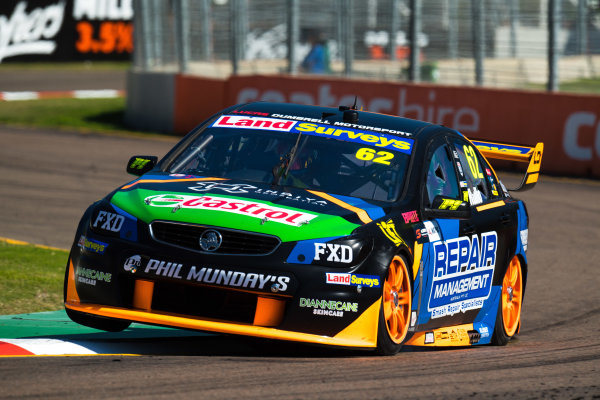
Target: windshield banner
381,140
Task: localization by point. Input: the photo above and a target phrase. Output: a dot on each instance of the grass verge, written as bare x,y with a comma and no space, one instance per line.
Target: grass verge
87,115
31,278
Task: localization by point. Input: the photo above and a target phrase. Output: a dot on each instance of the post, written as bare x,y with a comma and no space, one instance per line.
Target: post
478,34
414,70
348,36
553,24
182,29
453,29
293,16
206,28
394,26
514,24
581,24
234,29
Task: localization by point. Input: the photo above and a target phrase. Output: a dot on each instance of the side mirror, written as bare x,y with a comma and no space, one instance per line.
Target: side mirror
444,207
139,165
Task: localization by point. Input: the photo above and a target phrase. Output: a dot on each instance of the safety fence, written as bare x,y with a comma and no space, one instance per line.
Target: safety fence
494,43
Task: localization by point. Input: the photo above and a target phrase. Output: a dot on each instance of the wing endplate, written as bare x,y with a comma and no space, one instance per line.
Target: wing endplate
510,152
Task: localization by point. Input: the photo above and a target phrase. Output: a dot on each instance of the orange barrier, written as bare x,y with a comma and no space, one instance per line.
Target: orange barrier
195,100
569,125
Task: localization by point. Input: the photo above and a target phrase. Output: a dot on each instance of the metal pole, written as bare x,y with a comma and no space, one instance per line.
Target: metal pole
514,23
146,35
293,18
234,29
414,70
453,29
582,33
553,24
339,31
182,28
157,31
478,32
394,25
206,28
347,17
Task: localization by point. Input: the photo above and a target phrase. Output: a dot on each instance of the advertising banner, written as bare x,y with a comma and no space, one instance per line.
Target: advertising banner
65,30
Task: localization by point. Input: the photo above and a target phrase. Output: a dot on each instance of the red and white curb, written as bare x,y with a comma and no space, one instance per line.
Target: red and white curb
41,347
56,347
74,94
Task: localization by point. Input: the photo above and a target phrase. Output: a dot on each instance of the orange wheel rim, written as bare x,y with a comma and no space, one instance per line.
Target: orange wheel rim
397,300
512,296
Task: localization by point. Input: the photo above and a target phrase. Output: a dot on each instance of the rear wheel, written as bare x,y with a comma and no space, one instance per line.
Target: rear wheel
394,317
511,299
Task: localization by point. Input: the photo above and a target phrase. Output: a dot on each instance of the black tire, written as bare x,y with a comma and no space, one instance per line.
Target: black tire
97,322
508,318
396,302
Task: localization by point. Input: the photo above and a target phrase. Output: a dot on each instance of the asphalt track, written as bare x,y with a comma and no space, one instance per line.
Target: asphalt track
47,178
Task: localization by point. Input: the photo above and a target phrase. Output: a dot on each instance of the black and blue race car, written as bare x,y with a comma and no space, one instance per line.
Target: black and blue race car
331,226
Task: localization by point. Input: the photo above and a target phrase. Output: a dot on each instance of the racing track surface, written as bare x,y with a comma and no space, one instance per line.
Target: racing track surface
47,178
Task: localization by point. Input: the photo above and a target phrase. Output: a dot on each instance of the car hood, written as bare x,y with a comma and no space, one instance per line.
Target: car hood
289,213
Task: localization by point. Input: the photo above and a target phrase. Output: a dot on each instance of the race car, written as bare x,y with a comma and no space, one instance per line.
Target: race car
331,226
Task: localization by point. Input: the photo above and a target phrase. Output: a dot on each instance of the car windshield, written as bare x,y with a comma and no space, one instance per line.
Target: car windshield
294,159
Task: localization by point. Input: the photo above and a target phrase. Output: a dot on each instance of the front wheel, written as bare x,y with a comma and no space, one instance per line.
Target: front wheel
511,299
394,317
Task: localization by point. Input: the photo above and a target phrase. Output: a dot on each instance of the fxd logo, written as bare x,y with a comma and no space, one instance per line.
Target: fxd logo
462,274
334,252
108,221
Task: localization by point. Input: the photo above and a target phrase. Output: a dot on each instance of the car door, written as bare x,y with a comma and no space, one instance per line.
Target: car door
491,228
444,211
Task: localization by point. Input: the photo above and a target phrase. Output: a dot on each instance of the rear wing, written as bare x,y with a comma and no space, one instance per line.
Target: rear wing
510,152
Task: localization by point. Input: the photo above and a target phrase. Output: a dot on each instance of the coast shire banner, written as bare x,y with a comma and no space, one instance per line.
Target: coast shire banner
65,30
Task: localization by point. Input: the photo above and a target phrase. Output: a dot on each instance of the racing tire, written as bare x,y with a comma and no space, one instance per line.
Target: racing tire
508,317
394,316
102,323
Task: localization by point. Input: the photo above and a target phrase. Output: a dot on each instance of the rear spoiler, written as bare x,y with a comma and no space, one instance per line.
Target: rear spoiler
510,152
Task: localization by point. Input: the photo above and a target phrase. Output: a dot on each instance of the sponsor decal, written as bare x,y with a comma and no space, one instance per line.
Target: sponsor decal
258,210
330,308
463,270
389,230
240,188
249,122
475,196
139,163
429,338
413,318
428,233
209,275
90,276
334,252
92,245
31,33
484,332
450,204
345,124
132,264
338,278
108,221
410,217
524,238
382,140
